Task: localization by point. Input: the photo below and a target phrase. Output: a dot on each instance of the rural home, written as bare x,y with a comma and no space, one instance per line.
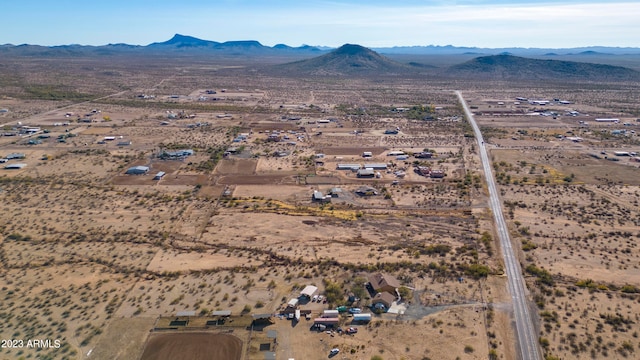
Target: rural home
437,174
376,166
335,192
423,155
318,196
382,299
15,156
366,191
137,170
422,170
383,283
348,166
176,154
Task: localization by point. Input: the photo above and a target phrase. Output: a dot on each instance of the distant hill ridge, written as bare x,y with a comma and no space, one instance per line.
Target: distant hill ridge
179,41
509,67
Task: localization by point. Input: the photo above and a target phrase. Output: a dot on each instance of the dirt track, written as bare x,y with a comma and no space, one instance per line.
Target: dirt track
193,346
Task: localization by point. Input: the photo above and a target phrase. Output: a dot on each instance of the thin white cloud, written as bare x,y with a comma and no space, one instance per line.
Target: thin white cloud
546,25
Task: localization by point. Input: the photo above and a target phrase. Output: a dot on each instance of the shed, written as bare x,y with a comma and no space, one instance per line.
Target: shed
366,173
309,291
15,166
137,170
395,153
159,175
292,303
367,154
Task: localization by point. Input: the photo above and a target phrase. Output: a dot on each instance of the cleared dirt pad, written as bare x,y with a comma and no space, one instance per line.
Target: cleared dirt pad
236,166
193,346
352,150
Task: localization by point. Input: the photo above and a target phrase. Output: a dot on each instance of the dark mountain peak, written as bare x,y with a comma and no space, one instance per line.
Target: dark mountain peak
179,40
348,59
352,49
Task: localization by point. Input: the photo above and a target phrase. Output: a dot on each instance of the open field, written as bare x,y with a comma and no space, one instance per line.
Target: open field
98,259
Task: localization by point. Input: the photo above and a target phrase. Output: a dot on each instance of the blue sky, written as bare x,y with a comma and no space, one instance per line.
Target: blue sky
372,23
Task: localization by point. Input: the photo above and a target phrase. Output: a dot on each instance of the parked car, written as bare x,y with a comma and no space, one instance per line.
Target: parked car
352,330
315,298
355,311
334,351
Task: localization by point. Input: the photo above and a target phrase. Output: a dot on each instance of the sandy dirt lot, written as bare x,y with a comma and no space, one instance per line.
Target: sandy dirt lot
93,257
193,346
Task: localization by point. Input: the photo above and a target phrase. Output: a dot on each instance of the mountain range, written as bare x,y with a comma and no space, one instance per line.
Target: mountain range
183,43
356,60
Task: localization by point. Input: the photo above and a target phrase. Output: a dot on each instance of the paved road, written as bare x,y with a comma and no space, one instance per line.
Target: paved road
525,331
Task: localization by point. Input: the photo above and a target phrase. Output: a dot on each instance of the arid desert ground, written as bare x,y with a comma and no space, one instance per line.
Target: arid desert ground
125,266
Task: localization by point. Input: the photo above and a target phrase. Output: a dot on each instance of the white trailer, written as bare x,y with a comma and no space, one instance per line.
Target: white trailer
330,314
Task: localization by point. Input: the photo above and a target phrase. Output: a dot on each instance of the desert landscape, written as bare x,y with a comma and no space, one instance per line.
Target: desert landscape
161,208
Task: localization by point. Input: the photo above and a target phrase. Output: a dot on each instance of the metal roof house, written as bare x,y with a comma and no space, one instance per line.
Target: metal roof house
395,153
320,197
376,166
15,166
383,299
366,191
348,166
15,156
176,154
384,283
137,170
